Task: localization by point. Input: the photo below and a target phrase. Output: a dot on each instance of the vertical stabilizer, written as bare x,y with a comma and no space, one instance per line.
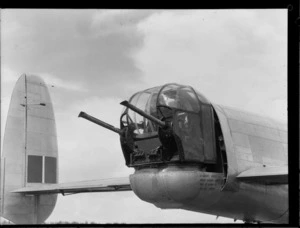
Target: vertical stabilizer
29,155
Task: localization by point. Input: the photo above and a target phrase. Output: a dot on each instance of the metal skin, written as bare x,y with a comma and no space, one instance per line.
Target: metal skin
250,141
30,130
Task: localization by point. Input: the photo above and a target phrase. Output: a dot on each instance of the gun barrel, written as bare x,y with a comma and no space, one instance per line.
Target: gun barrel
144,114
101,123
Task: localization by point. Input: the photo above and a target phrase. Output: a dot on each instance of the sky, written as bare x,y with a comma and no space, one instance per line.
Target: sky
97,58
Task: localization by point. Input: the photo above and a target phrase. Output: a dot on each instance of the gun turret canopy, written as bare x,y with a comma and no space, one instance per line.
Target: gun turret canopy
183,121
165,98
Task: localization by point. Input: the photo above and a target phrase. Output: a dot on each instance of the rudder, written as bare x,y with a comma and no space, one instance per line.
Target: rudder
29,152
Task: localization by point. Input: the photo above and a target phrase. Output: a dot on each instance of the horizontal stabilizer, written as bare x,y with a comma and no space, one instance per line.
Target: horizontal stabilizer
265,175
104,185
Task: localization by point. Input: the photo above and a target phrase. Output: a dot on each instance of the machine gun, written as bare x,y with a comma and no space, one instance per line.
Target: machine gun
101,123
117,130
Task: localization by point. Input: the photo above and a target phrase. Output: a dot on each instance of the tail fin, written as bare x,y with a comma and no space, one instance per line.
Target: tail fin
29,155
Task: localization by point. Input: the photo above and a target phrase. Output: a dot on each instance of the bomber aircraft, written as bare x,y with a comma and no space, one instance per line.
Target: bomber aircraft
187,154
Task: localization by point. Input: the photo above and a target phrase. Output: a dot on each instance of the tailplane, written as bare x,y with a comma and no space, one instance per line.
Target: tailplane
29,156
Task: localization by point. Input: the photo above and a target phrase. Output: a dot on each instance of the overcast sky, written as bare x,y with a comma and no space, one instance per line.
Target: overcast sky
97,58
